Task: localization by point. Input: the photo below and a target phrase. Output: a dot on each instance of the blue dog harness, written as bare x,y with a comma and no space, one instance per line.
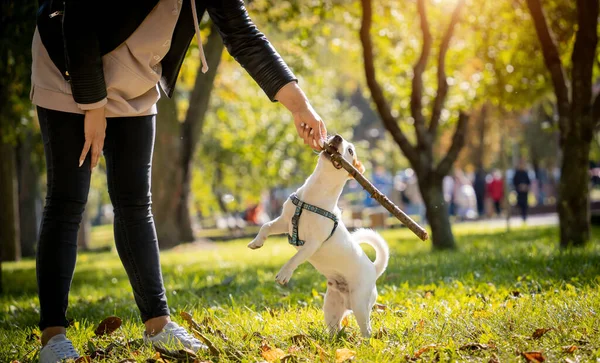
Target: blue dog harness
300,205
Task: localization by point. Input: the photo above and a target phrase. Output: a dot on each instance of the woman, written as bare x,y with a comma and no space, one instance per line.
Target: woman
96,69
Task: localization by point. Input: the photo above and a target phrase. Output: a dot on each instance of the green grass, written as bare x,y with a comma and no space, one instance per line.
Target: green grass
448,299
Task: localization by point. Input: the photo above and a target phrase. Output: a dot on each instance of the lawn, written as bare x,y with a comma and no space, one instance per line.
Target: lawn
483,303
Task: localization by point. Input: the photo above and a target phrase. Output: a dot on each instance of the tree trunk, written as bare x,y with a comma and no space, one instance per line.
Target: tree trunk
191,129
10,242
85,232
29,194
166,173
437,213
573,194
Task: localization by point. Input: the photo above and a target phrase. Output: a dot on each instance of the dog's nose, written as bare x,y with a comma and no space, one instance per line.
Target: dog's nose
336,139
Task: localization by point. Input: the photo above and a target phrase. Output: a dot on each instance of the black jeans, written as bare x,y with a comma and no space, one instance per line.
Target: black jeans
128,151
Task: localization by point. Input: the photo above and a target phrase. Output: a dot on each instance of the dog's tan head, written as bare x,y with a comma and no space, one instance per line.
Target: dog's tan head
348,152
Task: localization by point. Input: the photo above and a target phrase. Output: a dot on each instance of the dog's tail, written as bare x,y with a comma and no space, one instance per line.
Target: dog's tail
374,239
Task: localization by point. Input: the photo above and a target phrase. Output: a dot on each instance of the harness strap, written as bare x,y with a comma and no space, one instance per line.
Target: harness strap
300,205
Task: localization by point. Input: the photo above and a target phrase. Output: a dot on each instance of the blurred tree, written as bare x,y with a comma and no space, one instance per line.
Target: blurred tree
421,155
17,23
175,146
578,114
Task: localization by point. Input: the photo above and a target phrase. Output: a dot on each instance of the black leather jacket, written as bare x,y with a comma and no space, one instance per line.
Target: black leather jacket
78,33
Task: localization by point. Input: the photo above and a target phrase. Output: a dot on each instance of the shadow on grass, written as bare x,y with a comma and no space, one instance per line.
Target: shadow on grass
527,260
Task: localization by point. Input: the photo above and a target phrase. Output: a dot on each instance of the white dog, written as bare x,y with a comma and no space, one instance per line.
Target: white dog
322,239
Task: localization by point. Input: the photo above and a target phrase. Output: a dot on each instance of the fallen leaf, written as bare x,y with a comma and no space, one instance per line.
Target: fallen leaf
188,318
380,333
300,340
289,358
473,347
424,349
380,307
429,294
184,353
323,355
538,333
253,335
86,359
534,357
294,349
124,361
108,325
494,359
211,347
344,354
221,335
569,348
271,355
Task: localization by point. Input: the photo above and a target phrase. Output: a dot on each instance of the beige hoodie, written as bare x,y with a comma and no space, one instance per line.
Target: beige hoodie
131,71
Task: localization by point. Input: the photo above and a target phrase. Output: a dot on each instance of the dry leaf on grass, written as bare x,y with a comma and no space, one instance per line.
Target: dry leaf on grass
569,348
344,355
253,335
534,357
84,359
473,347
125,361
294,349
424,349
108,326
270,354
211,347
300,340
494,359
382,332
188,318
184,353
380,307
538,333
323,355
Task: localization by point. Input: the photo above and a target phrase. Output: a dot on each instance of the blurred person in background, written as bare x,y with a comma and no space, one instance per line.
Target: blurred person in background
522,184
479,186
495,189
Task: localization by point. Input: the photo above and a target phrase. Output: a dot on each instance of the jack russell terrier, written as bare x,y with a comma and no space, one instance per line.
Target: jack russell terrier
314,225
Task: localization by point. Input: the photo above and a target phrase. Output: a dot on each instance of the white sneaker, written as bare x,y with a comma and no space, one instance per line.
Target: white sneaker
58,349
174,336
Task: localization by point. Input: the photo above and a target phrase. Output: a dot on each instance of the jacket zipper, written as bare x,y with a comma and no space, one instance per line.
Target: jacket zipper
63,13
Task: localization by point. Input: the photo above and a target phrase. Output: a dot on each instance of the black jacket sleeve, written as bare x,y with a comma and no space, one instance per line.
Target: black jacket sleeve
249,46
82,50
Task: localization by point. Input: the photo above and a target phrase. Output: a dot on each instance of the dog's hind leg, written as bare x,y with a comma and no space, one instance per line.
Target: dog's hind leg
303,254
334,308
361,301
276,226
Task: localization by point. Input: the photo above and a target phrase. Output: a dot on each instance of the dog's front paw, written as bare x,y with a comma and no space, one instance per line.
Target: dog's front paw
284,276
256,243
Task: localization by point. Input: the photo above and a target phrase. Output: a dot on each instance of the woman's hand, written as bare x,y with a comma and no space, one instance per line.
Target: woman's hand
308,123
310,127
95,128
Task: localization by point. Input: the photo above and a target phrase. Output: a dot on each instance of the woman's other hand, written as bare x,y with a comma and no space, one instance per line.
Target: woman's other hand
308,123
95,131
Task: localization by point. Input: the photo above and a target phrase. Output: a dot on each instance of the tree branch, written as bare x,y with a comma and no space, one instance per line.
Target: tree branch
552,61
458,141
442,90
416,103
383,108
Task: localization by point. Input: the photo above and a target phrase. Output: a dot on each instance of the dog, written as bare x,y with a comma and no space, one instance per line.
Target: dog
334,252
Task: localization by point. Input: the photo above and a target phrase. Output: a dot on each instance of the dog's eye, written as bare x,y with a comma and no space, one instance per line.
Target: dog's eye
351,151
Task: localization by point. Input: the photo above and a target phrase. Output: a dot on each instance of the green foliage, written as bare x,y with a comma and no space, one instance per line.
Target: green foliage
17,23
497,290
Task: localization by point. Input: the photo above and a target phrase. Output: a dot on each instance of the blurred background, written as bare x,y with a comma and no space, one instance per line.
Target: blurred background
447,101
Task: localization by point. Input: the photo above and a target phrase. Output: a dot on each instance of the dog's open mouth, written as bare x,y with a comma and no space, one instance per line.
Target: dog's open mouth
335,163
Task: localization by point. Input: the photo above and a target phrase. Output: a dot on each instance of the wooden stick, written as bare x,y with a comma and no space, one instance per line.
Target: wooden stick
376,194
